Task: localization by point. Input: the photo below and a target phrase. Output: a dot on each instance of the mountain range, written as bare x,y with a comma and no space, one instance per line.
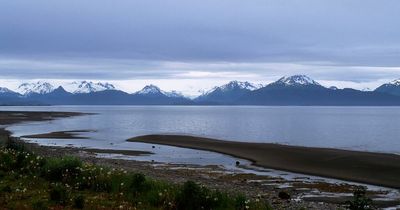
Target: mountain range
296,90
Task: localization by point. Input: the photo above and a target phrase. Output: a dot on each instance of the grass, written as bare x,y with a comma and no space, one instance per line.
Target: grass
29,181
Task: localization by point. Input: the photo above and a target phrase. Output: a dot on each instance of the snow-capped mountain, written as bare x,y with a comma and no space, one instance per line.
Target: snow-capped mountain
296,80
395,82
5,90
153,95
39,87
392,88
298,90
87,87
228,92
150,90
235,85
301,90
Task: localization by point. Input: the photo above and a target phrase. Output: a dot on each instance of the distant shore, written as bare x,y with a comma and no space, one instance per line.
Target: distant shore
12,117
365,167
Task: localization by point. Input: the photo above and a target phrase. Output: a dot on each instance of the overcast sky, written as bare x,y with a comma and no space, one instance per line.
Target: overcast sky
191,45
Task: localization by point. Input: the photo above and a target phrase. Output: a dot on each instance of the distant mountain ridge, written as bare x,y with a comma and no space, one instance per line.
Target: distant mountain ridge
227,94
392,88
90,93
296,90
152,90
37,87
300,90
296,80
88,87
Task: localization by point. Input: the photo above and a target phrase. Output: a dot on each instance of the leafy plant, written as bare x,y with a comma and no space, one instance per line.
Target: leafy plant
190,196
61,169
240,202
360,200
59,194
193,196
137,183
24,173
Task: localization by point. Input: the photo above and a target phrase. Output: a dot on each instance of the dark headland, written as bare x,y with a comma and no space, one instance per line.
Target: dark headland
365,167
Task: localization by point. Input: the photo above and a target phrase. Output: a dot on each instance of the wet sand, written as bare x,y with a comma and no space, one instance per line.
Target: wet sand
365,167
121,152
11,117
72,134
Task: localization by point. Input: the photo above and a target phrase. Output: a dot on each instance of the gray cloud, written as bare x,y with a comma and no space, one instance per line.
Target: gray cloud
105,39
120,69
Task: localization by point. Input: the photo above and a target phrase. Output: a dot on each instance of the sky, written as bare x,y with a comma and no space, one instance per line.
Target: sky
192,46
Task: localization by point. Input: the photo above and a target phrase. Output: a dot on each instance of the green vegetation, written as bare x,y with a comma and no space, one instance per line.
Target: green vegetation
360,200
29,181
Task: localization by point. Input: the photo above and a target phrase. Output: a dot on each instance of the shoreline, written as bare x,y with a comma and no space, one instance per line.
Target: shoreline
249,184
14,117
331,195
214,178
379,169
70,134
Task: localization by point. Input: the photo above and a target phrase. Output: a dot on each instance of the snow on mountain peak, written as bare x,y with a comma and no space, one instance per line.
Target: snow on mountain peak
154,90
297,80
88,87
241,85
5,90
150,89
395,82
235,85
39,87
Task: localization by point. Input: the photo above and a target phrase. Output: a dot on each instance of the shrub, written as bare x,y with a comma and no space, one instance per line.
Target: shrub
189,196
61,177
14,145
137,183
79,202
7,161
20,160
116,181
59,194
240,202
102,183
61,169
360,200
192,196
220,199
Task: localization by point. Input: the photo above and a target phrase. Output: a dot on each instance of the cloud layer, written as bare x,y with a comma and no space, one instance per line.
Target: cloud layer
351,41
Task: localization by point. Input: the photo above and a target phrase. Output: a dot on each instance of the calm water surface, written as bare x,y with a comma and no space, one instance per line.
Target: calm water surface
355,128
